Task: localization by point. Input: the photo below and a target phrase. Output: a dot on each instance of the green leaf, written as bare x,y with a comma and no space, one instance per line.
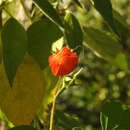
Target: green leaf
107,47
122,61
50,81
104,45
51,1
49,11
78,128
14,41
121,27
118,116
23,128
104,121
105,9
128,41
66,121
73,32
41,35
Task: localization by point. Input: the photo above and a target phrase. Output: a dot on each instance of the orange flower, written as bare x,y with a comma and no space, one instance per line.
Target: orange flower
63,62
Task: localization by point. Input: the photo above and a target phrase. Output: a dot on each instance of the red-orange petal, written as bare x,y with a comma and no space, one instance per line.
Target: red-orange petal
63,62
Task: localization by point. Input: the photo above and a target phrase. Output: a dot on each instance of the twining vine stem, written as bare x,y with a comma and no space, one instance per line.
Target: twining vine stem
54,102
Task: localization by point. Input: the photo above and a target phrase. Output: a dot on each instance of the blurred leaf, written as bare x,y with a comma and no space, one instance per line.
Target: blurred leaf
1,50
87,4
22,128
121,26
114,19
73,32
104,121
78,3
5,119
105,9
51,81
128,42
1,2
78,128
37,17
121,61
21,102
49,11
118,116
41,35
14,41
52,1
107,47
6,1
66,121
101,43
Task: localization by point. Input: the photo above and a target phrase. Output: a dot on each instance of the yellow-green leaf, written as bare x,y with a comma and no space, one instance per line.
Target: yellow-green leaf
21,102
51,81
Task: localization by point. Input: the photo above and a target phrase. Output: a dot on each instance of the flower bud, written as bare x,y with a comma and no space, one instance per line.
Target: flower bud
63,62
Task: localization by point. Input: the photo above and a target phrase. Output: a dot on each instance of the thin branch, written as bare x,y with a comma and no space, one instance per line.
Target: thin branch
53,104
6,10
26,12
64,87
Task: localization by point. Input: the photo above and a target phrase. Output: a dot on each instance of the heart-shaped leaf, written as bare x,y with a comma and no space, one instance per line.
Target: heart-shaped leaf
21,102
14,41
41,35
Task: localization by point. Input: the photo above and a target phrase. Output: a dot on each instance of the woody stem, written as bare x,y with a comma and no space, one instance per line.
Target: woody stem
53,104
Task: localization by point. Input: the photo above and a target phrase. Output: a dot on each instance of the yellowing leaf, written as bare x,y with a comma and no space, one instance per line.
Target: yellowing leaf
21,102
0,50
51,81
